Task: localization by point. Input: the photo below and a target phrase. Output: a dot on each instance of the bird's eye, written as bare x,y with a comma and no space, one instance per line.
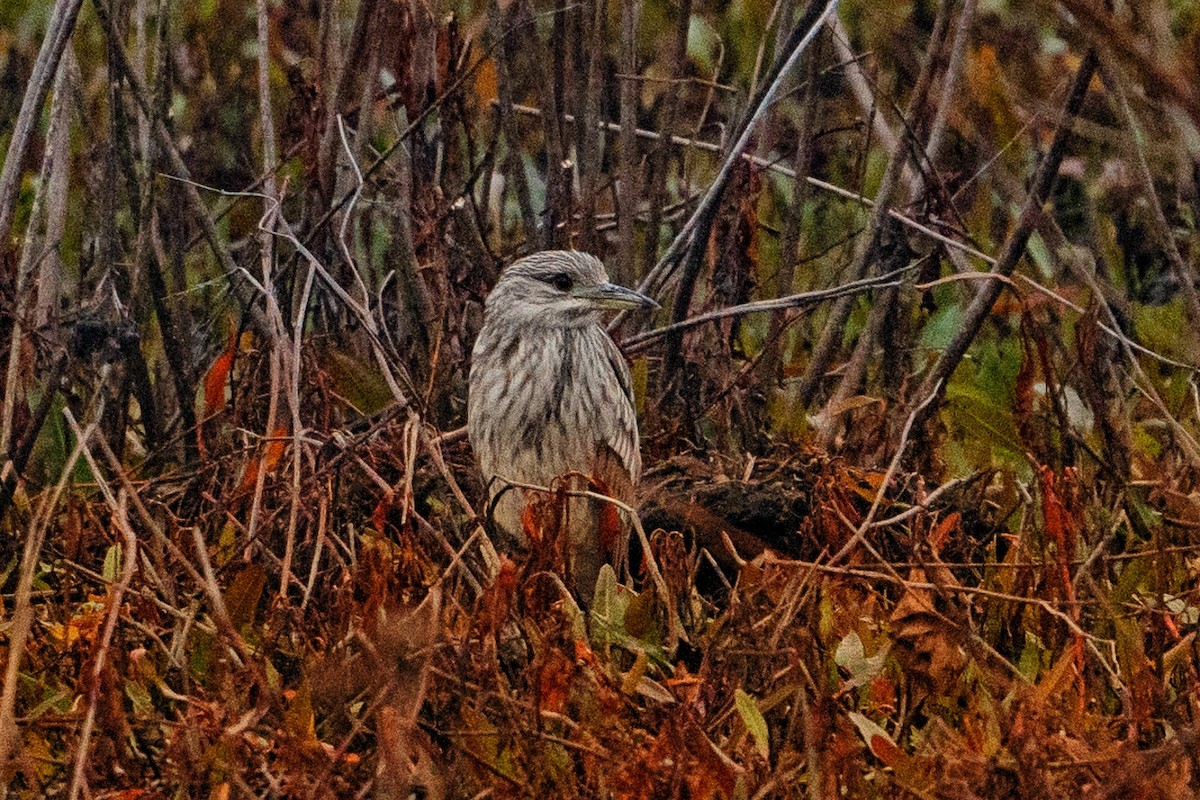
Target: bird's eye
560,281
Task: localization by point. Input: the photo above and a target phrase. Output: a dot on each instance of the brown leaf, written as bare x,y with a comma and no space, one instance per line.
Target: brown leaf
242,596
554,681
924,644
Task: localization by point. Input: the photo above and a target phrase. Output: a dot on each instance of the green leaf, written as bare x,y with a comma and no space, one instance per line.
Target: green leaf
358,381
139,696
941,327
608,609
703,43
755,722
612,607
1158,327
1032,656
112,563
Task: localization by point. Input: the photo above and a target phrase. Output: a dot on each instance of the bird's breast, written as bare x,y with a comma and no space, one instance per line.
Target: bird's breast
543,401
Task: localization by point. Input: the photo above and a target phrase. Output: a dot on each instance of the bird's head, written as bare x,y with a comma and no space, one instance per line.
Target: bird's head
562,288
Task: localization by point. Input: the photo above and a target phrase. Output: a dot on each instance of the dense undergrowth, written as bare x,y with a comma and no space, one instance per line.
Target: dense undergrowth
241,555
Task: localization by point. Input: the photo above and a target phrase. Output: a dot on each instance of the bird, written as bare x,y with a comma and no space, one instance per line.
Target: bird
550,396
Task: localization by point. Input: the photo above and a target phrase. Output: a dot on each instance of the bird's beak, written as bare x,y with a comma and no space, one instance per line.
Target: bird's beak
610,295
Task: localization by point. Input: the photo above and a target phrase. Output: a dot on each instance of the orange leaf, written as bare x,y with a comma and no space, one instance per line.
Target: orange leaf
554,681
885,749
1059,524
379,516
1023,391
274,448
609,524
485,82
272,451
250,478
529,523
878,741
937,539
216,378
498,598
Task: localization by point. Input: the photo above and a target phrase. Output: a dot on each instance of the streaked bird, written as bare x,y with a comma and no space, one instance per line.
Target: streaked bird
550,395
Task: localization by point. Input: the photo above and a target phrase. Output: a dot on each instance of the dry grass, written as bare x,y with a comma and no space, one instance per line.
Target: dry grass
930,333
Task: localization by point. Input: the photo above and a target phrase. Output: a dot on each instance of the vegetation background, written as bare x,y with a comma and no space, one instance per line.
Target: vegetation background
930,330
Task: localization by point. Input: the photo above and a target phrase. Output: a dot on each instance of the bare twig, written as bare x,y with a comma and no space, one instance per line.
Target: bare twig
1182,272
780,169
1160,70
793,220
22,616
871,250
266,121
34,251
955,65
512,143
362,312
62,25
640,341
657,169
179,168
893,467
1014,247
628,176
590,145
116,594
803,35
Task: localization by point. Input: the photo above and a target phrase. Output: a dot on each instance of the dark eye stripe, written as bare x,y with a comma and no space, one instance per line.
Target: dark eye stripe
559,280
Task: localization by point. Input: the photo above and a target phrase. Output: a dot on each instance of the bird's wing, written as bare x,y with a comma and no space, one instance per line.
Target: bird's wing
616,359
622,436
612,471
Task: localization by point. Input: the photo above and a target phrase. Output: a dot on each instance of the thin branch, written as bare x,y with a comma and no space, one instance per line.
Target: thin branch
803,35
62,25
1182,272
955,67
893,467
35,250
657,166
1165,73
21,621
780,169
906,149
640,341
266,122
512,143
793,234
180,170
115,597
591,146
1014,248
628,175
